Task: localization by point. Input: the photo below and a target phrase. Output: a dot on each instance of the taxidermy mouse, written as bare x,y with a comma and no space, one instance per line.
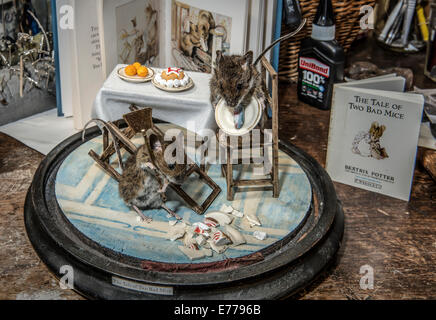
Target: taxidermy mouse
367,144
146,175
142,184
236,80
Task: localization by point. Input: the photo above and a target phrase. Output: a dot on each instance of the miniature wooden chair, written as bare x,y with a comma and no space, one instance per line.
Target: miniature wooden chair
227,169
140,121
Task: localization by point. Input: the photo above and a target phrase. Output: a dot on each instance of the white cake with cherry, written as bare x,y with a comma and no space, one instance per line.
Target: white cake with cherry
172,78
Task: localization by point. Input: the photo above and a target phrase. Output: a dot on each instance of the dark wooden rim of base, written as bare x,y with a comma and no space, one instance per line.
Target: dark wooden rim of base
310,234
92,283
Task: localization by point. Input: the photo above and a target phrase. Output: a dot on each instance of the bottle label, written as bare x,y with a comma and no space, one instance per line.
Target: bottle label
315,66
314,77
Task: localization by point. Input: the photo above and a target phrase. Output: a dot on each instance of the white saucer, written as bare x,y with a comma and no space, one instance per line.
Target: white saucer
135,79
189,85
224,118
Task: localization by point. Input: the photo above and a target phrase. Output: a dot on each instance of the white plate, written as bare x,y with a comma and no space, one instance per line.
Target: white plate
189,85
135,79
224,117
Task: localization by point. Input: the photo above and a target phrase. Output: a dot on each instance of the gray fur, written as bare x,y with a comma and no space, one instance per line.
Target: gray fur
141,184
235,79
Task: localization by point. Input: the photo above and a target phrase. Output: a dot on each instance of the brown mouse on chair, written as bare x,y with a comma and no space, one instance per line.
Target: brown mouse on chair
236,79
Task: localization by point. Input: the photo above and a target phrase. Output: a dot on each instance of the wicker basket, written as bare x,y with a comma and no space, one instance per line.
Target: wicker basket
347,27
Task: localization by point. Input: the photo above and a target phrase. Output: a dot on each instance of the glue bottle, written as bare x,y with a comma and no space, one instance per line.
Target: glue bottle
321,60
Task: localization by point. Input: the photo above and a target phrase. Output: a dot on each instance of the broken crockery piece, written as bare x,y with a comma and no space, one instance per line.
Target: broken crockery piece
253,220
226,209
230,210
175,234
201,240
211,222
235,236
198,230
220,238
195,254
194,246
217,249
189,239
259,235
221,217
202,226
177,231
237,213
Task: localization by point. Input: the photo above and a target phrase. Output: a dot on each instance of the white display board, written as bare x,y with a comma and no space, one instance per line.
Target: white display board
80,56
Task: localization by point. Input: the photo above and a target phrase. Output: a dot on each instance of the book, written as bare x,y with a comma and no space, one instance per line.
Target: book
81,64
373,135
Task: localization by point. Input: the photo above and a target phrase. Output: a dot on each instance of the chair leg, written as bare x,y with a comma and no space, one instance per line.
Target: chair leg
275,172
203,160
229,176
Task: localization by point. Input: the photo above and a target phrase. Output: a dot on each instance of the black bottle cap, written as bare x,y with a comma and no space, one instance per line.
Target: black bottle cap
324,14
323,25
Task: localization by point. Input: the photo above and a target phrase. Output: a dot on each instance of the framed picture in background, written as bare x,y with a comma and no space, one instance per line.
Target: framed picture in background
196,35
200,28
137,30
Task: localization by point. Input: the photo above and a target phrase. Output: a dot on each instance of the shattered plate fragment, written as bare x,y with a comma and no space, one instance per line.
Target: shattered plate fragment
259,235
221,217
235,236
177,231
253,220
237,213
226,209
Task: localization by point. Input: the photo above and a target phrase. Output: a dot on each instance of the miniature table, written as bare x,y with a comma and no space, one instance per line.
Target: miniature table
116,95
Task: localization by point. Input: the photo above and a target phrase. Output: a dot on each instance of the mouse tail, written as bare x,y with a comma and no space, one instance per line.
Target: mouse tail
283,38
103,123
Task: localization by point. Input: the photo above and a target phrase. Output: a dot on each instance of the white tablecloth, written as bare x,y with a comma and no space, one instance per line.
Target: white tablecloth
116,95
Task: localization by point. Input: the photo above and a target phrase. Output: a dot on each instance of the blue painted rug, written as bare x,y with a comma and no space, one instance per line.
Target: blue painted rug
90,201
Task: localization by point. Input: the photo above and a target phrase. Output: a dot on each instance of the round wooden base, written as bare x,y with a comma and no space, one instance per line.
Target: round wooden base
100,273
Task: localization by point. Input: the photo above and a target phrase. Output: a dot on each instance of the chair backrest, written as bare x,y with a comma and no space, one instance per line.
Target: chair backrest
273,98
140,120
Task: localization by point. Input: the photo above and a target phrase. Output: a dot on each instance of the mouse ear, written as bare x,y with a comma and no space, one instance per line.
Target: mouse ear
247,59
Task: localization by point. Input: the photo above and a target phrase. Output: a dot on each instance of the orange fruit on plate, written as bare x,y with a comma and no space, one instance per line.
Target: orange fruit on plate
137,65
142,71
130,70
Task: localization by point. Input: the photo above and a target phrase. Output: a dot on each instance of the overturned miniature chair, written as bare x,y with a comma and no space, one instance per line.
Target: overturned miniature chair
240,145
140,121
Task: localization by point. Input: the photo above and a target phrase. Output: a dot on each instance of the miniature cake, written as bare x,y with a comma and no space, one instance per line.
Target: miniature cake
172,78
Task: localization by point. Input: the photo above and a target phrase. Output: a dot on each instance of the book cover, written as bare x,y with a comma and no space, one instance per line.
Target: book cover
374,135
